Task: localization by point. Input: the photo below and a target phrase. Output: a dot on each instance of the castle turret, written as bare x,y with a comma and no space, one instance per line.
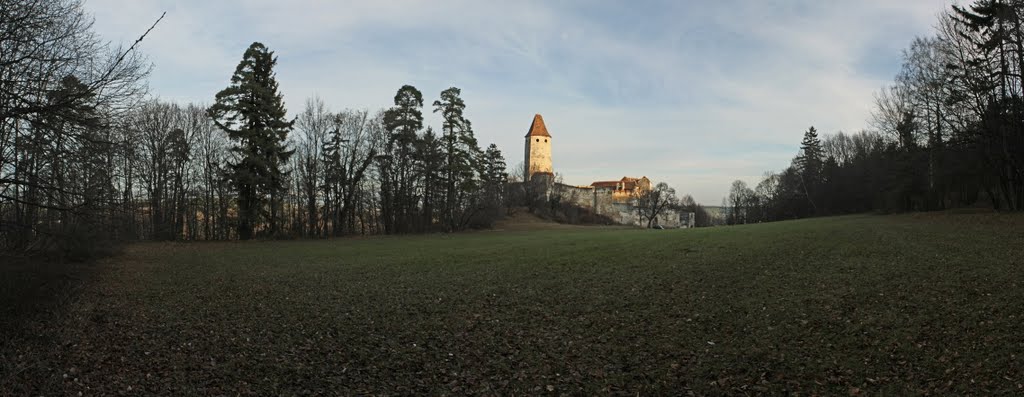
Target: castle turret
538,149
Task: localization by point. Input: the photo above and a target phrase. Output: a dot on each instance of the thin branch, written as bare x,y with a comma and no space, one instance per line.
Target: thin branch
129,50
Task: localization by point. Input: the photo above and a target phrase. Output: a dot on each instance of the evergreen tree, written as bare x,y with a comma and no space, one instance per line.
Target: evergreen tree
402,122
495,178
810,164
460,156
251,112
810,158
405,119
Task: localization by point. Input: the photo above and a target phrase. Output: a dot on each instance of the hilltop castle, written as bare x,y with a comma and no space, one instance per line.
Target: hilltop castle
612,199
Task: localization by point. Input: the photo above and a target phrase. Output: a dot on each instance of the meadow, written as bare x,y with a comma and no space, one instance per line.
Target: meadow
865,304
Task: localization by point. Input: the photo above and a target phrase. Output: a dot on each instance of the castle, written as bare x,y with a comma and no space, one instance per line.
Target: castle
612,199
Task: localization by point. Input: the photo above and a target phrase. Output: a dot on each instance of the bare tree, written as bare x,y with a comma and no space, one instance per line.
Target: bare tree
61,89
351,147
654,202
157,126
312,125
212,157
740,199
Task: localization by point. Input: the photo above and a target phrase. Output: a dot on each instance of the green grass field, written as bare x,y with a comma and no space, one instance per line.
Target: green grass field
862,304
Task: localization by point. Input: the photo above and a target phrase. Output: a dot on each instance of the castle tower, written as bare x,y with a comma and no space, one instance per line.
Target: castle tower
538,149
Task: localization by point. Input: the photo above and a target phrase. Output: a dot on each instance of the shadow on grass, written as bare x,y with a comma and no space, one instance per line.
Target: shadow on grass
33,293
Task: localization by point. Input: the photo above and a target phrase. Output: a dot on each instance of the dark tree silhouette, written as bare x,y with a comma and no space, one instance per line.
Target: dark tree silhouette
251,111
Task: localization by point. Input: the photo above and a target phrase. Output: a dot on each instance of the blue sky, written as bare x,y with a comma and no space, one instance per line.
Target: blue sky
696,94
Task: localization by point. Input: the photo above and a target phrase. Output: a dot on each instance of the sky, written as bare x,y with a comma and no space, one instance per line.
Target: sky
693,93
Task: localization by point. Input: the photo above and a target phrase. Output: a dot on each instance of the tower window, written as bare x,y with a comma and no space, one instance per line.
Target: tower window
545,141
538,139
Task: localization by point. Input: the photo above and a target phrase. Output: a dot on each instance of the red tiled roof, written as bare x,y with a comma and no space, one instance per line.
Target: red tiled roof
626,182
537,127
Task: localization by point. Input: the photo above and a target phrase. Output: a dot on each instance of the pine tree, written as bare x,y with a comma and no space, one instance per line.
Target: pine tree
405,119
251,112
403,122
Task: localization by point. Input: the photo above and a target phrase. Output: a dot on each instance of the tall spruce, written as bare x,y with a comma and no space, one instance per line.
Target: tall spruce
810,163
251,111
810,153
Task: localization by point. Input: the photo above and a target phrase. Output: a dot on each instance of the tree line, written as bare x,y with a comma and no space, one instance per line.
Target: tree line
947,133
88,159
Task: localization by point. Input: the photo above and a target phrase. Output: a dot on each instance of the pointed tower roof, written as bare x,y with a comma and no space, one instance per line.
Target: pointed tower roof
537,128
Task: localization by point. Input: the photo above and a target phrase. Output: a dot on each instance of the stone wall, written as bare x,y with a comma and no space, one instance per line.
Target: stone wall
616,207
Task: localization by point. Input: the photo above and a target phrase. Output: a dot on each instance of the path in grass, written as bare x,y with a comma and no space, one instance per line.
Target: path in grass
869,304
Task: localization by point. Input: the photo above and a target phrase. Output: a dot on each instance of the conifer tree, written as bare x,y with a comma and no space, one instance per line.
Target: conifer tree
402,122
251,112
495,177
461,153
810,163
810,153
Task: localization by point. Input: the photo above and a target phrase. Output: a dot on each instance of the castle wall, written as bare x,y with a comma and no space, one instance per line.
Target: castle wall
627,214
604,200
581,196
617,207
